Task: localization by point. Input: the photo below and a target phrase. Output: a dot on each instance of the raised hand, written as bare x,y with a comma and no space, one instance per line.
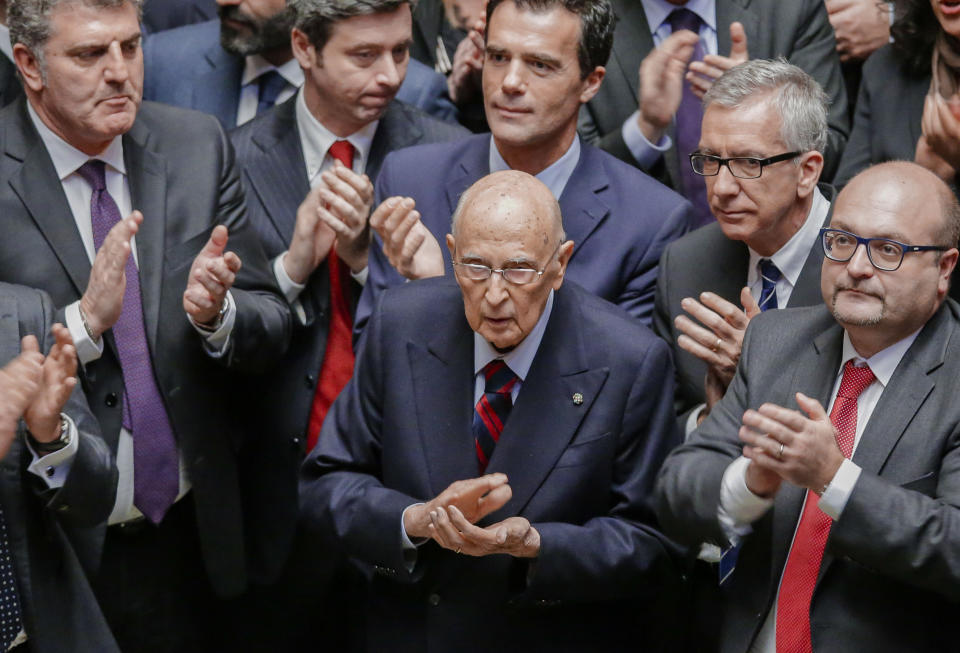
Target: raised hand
463,82
661,82
20,383
407,243
42,416
860,26
345,206
941,130
703,73
102,301
211,276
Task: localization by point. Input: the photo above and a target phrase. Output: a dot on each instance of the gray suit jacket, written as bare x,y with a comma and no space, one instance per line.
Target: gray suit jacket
706,260
275,180
890,578
43,525
798,30
183,179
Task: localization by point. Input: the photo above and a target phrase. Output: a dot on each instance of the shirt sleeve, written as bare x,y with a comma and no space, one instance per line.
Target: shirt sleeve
54,467
739,507
215,342
87,350
291,289
645,152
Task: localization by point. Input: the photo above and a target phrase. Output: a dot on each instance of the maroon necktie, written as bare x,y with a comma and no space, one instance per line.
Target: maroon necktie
493,409
337,367
803,563
156,478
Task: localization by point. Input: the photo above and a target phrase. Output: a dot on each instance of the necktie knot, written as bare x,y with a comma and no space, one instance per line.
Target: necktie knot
855,380
342,151
769,276
500,379
94,172
683,18
269,86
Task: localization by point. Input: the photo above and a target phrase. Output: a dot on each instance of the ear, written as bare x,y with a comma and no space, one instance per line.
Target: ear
591,84
451,245
303,49
29,67
811,165
948,261
563,257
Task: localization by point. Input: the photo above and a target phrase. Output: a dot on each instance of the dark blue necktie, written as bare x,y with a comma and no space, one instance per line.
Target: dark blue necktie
269,85
10,621
492,410
769,276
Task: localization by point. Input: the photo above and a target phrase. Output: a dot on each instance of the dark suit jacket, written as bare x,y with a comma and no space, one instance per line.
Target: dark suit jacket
59,609
400,433
275,179
798,30
886,124
706,260
187,67
159,16
890,578
618,218
183,178
10,86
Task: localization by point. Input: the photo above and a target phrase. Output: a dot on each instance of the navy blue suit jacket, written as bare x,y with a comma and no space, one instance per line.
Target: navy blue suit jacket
581,473
186,67
619,219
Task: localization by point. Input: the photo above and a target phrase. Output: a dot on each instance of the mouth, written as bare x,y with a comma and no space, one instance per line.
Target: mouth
950,7
511,112
856,292
728,215
117,101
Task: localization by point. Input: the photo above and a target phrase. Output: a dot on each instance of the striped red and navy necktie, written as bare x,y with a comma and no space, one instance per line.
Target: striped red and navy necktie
492,410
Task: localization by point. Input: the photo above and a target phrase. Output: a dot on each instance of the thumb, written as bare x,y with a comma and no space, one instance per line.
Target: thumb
750,305
738,43
29,344
217,242
812,408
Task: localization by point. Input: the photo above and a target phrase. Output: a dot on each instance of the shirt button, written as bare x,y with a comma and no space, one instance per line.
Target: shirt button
310,380
49,471
434,600
111,399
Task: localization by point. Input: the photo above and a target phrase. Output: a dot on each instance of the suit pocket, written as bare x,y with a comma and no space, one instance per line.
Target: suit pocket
583,450
183,253
926,484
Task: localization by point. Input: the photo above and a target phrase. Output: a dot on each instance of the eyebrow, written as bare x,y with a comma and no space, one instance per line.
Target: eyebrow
513,262
97,45
890,235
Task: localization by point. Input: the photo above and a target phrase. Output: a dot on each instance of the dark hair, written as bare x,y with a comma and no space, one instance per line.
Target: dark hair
914,32
597,20
316,18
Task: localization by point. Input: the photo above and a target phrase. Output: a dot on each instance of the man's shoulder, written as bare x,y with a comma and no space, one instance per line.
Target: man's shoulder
437,156
628,185
707,242
604,325
420,308
400,115
176,122
184,40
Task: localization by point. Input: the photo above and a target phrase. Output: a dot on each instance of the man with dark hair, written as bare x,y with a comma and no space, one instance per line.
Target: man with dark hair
832,461
543,60
242,64
488,465
122,213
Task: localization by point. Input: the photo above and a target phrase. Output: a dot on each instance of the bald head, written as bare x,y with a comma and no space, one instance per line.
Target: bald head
510,196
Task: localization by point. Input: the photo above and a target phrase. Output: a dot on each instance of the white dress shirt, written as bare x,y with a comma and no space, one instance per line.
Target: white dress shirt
254,66
657,12
555,176
739,507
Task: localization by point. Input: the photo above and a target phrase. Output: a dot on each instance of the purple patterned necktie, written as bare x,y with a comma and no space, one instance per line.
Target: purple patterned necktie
155,464
688,118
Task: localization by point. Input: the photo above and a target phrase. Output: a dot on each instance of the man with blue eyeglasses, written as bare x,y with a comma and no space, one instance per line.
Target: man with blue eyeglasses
833,460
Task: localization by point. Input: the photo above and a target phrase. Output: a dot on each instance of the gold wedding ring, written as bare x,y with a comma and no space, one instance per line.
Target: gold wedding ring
458,548
717,344
780,453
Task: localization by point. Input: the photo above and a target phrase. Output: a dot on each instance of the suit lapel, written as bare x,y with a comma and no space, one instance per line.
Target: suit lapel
807,291
474,163
215,90
44,200
632,43
395,131
582,203
147,174
545,418
280,154
443,396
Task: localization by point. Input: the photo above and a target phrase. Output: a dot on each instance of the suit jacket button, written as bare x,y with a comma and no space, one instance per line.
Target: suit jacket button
434,600
310,380
111,399
296,440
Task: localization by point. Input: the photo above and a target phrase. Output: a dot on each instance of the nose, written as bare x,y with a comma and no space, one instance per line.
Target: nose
496,292
859,265
116,64
723,183
513,79
389,72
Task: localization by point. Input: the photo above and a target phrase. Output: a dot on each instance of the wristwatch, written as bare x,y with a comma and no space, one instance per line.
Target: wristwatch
217,321
44,448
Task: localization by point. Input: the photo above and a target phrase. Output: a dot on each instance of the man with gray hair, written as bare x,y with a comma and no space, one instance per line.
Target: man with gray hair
122,212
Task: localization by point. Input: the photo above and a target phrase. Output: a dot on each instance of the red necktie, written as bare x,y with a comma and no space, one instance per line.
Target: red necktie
337,365
493,409
803,563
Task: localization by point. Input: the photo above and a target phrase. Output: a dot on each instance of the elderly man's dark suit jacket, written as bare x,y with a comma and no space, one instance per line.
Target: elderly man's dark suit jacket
59,610
706,260
619,219
184,180
890,579
188,68
274,176
580,472
798,30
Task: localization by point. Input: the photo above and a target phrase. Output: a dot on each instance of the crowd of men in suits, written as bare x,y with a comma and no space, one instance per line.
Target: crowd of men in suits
292,360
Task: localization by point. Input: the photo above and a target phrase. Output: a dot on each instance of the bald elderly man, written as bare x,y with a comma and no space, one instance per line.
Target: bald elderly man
501,411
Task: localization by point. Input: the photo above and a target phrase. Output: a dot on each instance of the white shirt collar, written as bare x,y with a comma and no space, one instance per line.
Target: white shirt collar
790,258
657,11
555,176
884,363
520,358
66,158
255,65
5,46
315,140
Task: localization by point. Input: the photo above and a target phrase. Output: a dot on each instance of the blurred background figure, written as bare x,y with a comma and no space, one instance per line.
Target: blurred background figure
861,27
159,15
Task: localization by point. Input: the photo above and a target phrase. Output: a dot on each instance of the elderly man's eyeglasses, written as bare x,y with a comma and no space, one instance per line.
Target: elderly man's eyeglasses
884,254
516,276
743,167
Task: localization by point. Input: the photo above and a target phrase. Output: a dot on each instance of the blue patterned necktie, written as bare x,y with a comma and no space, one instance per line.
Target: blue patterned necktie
493,409
10,621
269,86
769,276
156,477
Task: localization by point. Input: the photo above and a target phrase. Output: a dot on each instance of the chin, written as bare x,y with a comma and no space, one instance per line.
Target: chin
860,316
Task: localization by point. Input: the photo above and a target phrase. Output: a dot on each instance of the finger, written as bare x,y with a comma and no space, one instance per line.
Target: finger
699,85
339,188
710,68
359,184
738,43
750,306
763,443
764,459
395,217
495,499
412,243
401,241
233,261
203,277
380,214
217,242
813,408
221,273
343,210
706,354
701,335
29,344
764,422
447,531
341,229
729,312
464,529
61,334
679,45
199,297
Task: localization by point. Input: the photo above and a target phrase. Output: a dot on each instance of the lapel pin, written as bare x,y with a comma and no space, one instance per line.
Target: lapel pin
577,398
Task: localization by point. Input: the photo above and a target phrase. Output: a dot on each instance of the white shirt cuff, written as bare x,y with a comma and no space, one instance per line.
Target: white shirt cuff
215,342
291,289
54,467
87,350
691,424
409,546
834,498
361,276
645,152
739,507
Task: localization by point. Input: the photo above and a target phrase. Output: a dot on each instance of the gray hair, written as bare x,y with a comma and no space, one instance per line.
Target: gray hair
797,97
29,20
316,18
